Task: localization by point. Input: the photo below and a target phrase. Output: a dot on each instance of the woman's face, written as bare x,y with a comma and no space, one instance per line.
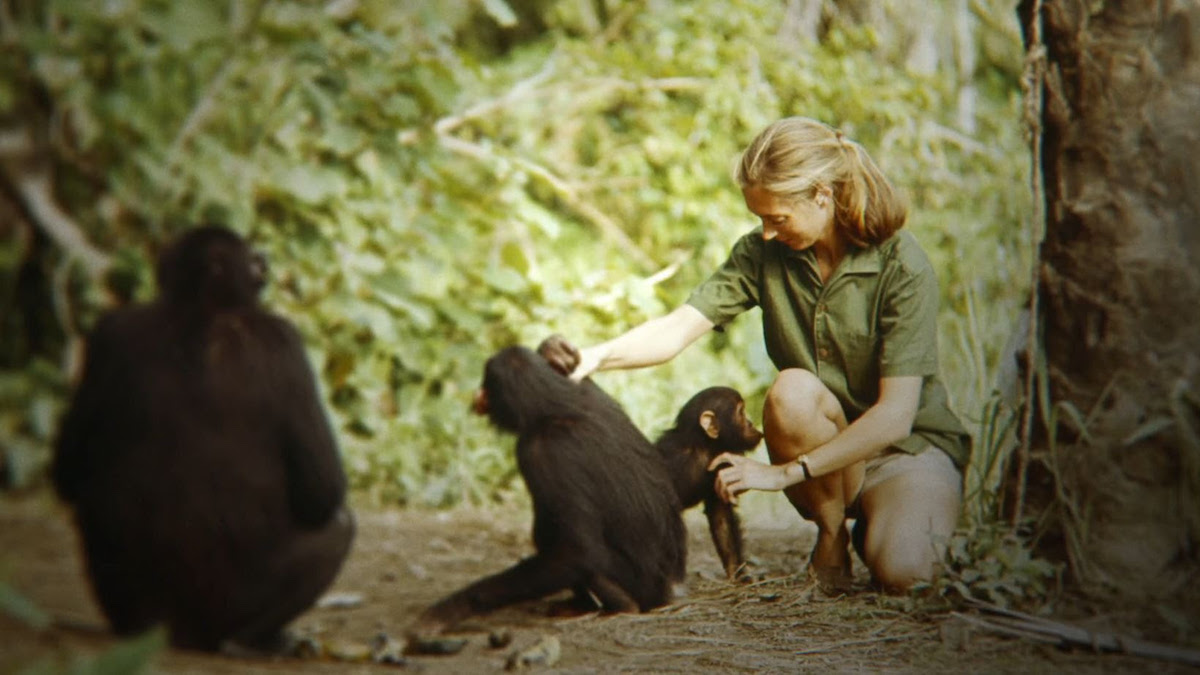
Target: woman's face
796,222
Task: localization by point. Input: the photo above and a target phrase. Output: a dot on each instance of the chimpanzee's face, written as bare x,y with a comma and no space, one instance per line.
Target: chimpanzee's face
742,432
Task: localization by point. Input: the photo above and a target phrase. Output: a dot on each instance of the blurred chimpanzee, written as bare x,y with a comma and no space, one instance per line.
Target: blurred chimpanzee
606,521
712,422
205,479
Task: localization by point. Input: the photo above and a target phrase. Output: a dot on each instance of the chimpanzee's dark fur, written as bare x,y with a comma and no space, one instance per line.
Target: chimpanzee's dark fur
687,449
606,520
205,479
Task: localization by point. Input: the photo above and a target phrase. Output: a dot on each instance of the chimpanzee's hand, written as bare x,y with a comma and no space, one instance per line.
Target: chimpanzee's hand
562,355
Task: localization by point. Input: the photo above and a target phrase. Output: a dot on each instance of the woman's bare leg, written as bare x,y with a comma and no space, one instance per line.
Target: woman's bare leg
908,520
801,414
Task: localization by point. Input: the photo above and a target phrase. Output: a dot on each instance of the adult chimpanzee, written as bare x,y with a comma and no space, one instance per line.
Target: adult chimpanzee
605,518
206,482
712,422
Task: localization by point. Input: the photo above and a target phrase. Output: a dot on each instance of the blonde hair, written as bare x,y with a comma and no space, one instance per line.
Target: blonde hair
795,156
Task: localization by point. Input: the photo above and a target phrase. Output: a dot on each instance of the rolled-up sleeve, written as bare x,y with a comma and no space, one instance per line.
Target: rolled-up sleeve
734,287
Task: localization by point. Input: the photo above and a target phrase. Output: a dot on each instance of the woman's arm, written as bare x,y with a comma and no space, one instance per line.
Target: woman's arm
888,421
651,343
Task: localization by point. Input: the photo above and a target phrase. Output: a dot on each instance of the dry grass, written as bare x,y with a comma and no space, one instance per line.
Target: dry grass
404,560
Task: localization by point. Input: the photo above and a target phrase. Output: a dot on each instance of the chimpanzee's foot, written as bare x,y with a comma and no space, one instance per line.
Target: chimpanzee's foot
281,642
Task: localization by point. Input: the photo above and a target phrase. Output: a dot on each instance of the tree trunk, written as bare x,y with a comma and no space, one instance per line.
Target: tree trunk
1120,291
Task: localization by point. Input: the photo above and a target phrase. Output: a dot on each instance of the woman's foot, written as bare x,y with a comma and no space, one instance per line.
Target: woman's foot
830,563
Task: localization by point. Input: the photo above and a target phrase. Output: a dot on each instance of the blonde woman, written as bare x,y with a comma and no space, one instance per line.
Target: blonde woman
857,422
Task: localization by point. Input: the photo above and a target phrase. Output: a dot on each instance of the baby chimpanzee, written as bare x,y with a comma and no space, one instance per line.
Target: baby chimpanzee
713,422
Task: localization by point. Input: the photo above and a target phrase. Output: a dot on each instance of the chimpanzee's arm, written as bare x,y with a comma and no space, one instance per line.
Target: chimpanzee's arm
316,479
726,533
73,463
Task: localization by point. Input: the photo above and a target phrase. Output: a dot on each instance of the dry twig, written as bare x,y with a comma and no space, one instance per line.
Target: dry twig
1026,626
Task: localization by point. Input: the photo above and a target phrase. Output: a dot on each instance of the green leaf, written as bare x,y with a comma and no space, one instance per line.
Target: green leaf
1148,430
186,24
535,215
131,656
310,184
22,609
506,280
500,12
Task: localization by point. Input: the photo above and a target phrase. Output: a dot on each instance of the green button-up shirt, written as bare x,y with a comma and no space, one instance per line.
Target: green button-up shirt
875,317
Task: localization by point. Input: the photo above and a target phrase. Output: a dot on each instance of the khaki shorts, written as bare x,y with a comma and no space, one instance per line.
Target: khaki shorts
932,461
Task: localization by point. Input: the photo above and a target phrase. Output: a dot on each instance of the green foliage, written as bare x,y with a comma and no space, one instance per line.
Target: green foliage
16,606
30,403
989,562
993,447
432,182
128,657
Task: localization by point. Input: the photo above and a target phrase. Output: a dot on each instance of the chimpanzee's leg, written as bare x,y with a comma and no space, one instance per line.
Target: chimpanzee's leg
533,577
613,598
726,533
287,584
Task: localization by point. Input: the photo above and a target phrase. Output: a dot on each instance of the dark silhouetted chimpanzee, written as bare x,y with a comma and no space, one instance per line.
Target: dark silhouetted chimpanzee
205,479
712,422
605,519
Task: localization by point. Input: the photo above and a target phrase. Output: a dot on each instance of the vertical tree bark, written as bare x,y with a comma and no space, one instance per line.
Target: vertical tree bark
1120,288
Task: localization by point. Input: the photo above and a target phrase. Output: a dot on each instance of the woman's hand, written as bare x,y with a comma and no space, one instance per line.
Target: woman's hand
589,361
743,473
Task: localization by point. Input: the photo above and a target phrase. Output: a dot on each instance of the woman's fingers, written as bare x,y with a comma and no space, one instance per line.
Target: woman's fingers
729,479
724,458
589,361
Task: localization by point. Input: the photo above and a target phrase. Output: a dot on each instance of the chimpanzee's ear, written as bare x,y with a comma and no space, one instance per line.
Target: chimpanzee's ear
708,422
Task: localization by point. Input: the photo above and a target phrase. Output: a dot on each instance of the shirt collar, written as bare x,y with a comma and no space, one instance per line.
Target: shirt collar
868,260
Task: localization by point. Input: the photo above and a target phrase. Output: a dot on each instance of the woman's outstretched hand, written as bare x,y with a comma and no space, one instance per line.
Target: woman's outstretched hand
742,473
589,362
569,360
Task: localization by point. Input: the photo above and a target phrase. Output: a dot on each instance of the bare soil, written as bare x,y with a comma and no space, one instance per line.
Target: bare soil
404,560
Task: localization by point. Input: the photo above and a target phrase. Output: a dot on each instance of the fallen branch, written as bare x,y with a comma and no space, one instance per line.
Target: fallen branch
1027,626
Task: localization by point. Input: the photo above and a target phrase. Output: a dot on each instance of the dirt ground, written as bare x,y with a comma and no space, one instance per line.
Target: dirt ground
404,560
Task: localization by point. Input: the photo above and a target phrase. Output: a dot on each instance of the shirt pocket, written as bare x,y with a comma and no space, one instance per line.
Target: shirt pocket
859,354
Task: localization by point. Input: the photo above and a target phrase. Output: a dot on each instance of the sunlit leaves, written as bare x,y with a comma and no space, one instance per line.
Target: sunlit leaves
423,202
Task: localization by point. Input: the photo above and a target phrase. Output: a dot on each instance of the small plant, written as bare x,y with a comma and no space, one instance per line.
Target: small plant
990,562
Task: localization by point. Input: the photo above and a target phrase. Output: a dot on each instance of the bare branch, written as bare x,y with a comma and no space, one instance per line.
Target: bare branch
524,88
530,88
35,190
29,177
563,189
1019,624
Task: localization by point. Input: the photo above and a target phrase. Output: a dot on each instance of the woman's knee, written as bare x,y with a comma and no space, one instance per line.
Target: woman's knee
797,395
907,545
898,568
